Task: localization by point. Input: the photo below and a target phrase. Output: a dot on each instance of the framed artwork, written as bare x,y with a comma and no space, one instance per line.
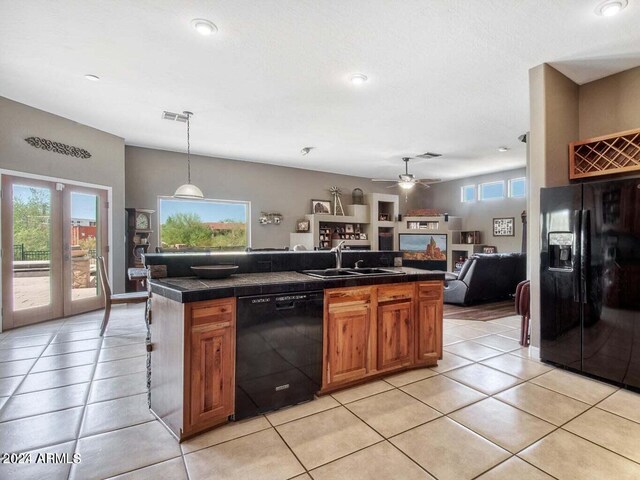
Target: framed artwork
504,227
348,228
321,207
303,225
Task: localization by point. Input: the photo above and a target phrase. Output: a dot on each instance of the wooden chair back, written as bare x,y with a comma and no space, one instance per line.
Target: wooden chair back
106,286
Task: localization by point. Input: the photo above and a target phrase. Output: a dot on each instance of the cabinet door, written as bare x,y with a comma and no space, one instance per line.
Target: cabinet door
212,373
395,334
429,323
348,342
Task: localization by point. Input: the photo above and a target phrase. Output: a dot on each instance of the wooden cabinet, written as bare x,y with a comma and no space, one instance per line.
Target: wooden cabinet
374,330
210,354
396,326
347,327
395,334
193,364
428,342
348,342
212,359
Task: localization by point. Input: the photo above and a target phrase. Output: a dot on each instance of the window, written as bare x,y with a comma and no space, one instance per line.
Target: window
492,191
517,187
468,193
212,224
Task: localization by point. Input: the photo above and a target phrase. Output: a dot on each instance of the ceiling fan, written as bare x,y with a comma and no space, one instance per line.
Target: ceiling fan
407,180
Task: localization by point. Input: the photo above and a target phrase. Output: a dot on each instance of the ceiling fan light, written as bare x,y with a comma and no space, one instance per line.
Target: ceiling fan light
609,8
406,185
188,190
204,27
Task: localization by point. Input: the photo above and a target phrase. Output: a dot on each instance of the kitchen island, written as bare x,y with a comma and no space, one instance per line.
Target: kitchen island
367,327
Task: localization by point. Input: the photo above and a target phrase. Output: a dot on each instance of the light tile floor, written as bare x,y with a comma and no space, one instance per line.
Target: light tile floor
489,411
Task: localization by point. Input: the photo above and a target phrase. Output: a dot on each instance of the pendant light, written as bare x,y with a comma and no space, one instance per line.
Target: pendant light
188,190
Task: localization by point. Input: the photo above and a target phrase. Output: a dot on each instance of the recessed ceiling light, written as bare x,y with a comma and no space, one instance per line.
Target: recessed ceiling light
609,8
358,78
93,78
503,149
204,27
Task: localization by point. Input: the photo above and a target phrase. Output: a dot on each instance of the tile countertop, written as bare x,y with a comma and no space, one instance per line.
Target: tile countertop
193,289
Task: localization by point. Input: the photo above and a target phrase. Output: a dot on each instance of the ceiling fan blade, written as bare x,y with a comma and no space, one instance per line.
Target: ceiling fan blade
429,180
383,180
393,186
425,185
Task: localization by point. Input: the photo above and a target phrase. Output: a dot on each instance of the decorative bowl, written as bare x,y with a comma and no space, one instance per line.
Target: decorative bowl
214,271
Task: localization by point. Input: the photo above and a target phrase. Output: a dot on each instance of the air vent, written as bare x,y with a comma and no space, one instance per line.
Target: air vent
429,155
174,117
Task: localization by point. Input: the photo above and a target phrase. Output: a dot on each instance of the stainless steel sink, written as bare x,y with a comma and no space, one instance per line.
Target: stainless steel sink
330,273
349,272
373,271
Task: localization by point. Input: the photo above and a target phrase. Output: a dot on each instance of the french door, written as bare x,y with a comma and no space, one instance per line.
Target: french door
52,234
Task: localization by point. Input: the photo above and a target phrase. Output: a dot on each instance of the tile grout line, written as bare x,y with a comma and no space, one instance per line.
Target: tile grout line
13,393
84,407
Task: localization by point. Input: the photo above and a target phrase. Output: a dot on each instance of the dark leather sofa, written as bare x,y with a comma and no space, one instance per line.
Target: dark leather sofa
485,277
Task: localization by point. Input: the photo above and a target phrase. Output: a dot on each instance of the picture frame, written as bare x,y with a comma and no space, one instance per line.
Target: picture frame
303,226
504,227
489,249
348,228
321,207
383,217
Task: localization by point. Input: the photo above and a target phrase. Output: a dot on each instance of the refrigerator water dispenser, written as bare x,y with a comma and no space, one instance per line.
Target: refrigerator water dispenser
560,250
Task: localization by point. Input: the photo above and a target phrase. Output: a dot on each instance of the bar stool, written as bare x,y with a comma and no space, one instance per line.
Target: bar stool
523,309
117,298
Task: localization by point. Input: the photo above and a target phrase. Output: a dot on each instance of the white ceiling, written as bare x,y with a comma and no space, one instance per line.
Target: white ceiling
448,76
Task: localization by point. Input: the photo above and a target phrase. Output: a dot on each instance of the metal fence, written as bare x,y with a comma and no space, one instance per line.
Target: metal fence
20,254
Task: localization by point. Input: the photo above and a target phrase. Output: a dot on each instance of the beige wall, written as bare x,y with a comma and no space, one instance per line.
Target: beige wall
445,197
611,104
554,124
105,167
562,112
150,173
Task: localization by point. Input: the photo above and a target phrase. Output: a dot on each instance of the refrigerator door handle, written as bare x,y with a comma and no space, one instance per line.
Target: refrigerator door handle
585,252
576,264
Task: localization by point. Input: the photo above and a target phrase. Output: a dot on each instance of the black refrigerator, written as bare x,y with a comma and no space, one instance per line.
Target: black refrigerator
590,279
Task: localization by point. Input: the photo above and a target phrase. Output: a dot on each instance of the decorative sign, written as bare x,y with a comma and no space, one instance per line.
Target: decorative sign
57,147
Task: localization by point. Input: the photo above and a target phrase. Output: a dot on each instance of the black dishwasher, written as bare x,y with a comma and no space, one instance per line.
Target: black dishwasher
278,351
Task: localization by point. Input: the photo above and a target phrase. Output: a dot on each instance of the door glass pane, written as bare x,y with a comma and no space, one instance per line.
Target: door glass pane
84,235
31,247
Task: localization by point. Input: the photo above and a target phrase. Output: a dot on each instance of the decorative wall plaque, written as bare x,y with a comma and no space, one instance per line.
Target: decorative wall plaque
57,147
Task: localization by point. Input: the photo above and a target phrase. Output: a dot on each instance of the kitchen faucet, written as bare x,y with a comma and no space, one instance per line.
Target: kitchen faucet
338,251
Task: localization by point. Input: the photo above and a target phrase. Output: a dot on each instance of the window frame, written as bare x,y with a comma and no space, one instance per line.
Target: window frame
496,182
475,193
247,204
524,181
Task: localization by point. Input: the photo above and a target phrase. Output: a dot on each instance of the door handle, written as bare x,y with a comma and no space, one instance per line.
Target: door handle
576,262
285,306
585,252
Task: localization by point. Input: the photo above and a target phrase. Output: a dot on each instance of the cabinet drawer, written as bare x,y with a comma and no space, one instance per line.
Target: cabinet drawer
395,292
343,296
215,311
430,290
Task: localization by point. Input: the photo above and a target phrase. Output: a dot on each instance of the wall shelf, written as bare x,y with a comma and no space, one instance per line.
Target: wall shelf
606,155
